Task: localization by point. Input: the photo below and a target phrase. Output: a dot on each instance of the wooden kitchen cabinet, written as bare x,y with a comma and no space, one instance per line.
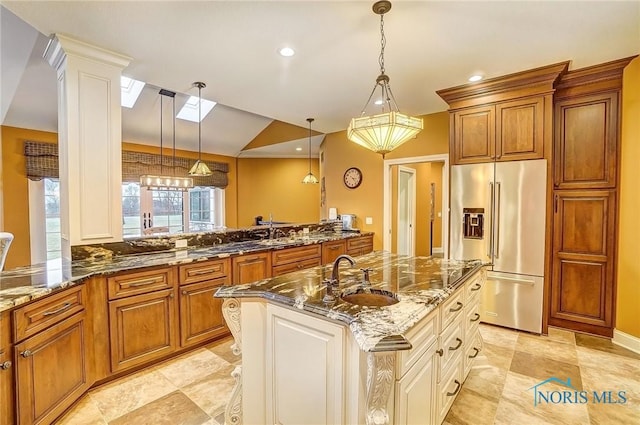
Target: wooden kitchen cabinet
200,313
51,370
520,129
7,369
332,249
251,267
586,142
293,259
583,270
474,137
360,245
142,328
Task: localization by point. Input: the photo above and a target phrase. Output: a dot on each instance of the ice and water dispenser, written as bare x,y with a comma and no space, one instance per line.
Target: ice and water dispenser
472,223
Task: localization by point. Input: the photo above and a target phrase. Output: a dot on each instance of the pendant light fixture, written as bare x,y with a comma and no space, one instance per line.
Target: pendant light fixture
383,132
164,182
310,178
200,168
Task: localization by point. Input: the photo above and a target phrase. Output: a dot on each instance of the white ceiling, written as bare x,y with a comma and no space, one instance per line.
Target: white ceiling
232,46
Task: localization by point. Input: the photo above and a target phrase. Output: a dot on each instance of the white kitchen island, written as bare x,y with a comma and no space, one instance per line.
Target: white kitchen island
305,361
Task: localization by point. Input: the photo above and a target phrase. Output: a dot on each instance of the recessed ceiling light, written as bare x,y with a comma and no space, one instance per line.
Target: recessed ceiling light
475,78
298,149
287,51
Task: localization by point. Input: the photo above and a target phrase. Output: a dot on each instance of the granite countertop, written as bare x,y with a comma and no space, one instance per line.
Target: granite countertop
23,284
420,284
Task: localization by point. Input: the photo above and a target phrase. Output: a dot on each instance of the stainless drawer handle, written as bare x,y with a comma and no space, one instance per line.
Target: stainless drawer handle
457,346
458,307
26,353
144,282
456,390
473,356
59,310
476,318
476,287
6,365
441,352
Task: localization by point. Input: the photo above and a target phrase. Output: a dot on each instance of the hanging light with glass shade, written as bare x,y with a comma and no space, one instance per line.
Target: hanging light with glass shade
310,178
387,130
200,168
162,181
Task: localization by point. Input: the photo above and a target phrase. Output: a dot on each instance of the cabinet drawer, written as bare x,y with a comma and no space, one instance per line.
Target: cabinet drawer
125,285
451,308
35,317
451,346
448,389
472,319
206,270
474,286
361,242
292,255
471,352
421,336
294,267
331,250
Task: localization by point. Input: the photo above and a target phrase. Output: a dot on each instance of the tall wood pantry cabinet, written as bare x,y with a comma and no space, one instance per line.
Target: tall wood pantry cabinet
587,111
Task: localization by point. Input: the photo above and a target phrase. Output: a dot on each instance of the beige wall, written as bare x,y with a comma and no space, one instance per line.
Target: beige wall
275,186
628,298
366,200
436,177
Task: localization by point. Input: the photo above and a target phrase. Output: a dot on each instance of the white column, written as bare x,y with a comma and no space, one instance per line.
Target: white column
89,141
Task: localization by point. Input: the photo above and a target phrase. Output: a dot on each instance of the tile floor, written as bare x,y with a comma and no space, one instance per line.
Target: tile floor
193,389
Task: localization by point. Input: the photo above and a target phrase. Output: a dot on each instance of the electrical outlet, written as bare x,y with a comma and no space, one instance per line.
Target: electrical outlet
368,220
181,243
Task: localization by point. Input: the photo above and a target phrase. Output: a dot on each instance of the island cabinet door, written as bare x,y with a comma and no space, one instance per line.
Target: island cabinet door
305,369
415,398
51,371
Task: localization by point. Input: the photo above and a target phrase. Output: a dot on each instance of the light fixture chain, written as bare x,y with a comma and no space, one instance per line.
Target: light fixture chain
383,43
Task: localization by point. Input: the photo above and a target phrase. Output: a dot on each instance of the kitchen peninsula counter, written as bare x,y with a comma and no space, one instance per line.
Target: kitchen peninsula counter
24,284
308,361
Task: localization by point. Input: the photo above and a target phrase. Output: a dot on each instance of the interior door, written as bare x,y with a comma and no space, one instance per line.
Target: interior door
406,210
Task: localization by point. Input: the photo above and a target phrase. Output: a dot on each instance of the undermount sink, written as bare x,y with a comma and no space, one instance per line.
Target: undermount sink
370,297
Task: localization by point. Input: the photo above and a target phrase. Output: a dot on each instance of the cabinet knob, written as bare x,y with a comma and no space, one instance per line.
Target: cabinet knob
6,365
26,353
184,292
441,352
171,295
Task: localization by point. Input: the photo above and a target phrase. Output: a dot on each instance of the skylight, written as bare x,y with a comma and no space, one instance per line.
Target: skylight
130,90
189,111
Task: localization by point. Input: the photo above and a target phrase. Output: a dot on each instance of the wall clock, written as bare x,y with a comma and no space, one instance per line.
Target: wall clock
352,177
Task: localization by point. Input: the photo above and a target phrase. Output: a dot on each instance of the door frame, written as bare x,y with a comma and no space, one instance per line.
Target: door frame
411,201
386,216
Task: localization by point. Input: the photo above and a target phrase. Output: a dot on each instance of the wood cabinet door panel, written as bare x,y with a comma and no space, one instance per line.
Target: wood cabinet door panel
415,393
294,267
6,372
586,142
142,328
252,267
200,313
520,129
292,255
331,250
474,135
51,371
583,283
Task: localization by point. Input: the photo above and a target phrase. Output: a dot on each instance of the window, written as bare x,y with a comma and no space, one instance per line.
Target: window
52,218
146,212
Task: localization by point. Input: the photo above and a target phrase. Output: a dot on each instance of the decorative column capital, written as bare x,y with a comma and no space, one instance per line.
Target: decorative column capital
60,46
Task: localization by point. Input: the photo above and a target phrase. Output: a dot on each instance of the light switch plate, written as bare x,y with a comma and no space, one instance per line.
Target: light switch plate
368,220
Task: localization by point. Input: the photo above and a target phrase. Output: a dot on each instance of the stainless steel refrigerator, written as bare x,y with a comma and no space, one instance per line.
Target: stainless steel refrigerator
498,215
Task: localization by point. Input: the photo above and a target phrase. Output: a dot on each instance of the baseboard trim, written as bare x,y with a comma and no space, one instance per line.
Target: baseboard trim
437,250
627,341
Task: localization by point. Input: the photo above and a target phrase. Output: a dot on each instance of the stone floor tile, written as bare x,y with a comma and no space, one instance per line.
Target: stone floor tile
472,408
604,344
542,368
561,335
499,336
192,367
546,347
495,355
222,348
85,412
212,392
173,409
486,380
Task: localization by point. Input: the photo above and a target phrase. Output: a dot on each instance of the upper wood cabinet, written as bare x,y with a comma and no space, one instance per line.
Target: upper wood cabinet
586,142
503,119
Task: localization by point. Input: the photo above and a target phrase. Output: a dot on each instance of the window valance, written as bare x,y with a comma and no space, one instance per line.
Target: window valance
42,161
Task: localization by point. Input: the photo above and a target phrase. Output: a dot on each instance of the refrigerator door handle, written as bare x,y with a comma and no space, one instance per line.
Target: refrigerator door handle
490,233
496,223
